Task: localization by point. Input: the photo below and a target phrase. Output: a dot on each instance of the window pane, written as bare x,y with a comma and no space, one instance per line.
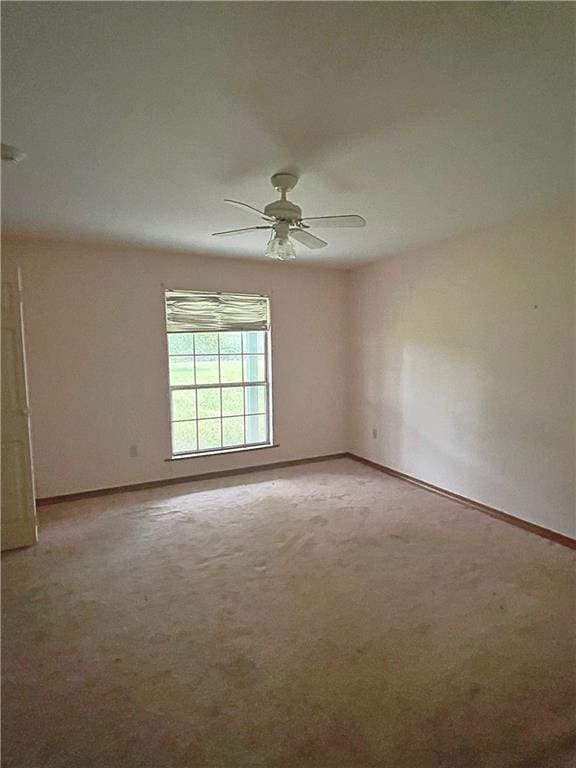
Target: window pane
181,343
208,403
256,399
255,429
206,343
254,368
207,369
184,436
181,370
232,401
231,368
209,434
233,431
230,343
183,404
253,341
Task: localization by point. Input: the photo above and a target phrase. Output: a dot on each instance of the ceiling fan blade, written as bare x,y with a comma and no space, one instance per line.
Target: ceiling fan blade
250,207
307,239
349,220
238,231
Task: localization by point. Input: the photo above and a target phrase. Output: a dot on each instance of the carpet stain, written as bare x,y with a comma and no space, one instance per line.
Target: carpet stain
239,672
399,537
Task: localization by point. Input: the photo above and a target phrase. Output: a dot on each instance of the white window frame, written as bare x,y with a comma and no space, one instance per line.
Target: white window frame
244,383
223,385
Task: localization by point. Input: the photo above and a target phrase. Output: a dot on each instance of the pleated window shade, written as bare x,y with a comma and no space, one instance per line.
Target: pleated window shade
193,311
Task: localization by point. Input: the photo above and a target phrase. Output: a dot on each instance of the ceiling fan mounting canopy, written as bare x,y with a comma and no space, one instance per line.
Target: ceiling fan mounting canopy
284,220
284,181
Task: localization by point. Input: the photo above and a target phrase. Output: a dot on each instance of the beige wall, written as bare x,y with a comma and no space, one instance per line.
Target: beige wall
463,356
97,361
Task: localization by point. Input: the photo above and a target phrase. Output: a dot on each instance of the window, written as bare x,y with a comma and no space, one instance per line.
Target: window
218,363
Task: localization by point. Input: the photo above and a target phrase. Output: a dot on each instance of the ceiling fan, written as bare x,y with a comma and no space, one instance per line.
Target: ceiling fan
284,220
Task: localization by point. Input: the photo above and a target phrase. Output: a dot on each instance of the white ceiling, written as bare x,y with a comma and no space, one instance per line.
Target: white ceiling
429,119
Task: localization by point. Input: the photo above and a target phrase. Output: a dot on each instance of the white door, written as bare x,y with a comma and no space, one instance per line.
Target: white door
18,502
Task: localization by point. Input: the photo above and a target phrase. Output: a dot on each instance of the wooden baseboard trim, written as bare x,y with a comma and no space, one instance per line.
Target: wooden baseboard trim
177,480
546,533
506,517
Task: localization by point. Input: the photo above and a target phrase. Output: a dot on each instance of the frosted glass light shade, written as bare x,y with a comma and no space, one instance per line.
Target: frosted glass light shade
280,248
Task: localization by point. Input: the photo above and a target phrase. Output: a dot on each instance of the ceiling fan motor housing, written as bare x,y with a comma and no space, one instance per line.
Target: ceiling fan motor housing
283,210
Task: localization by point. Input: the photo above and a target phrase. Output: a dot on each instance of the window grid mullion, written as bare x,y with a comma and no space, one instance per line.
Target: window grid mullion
224,385
196,393
243,387
211,418
220,393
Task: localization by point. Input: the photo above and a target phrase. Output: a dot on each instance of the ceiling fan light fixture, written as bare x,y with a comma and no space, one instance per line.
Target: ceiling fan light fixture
285,220
280,248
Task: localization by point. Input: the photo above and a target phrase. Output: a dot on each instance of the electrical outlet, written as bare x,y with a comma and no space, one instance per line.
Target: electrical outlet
374,434
133,451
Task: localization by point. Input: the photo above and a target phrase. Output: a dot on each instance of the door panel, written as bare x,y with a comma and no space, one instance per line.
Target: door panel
19,528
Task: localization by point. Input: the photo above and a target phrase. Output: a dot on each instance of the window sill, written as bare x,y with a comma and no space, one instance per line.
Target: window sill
223,452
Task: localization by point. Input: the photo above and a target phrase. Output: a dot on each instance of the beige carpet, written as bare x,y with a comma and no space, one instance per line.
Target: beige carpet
320,616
